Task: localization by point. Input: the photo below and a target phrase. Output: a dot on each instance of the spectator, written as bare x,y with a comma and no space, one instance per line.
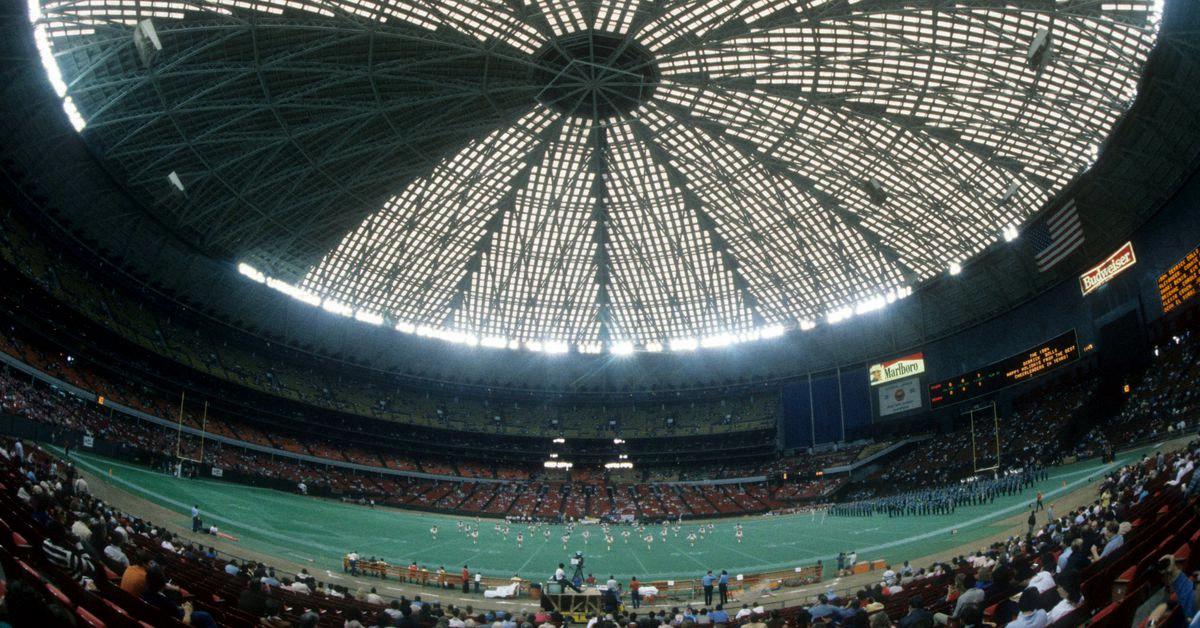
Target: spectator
1113,540
1068,590
1031,615
64,550
156,595
917,616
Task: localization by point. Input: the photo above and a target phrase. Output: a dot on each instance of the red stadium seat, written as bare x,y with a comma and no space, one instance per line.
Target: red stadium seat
88,619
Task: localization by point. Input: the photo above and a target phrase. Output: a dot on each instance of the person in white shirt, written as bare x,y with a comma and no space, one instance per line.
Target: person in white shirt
1042,581
299,587
114,553
889,576
374,598
1068,589
1031,615
744,612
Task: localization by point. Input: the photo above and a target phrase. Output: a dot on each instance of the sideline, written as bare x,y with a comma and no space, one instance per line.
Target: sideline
236,525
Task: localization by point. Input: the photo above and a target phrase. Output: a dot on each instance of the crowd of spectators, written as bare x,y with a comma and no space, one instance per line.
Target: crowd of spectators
166,329
80,559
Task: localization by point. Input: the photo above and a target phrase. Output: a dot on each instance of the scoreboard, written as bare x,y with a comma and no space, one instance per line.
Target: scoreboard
1180,282
1011,370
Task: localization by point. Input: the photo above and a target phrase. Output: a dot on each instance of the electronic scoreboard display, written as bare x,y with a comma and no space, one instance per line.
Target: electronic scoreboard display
1012,370
1180,282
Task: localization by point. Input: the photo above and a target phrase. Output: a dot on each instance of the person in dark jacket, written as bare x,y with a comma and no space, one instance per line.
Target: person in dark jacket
917,616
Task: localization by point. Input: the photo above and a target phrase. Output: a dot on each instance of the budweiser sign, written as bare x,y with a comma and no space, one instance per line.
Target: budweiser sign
899,368
1112,266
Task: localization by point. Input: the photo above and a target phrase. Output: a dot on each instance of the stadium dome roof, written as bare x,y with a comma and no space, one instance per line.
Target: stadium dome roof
604,175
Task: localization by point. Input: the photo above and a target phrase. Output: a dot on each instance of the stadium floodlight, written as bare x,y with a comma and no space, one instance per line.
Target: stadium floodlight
618,441
559,441
406,327
495,342
748,336
370,318
720,340
955,268
654,347
870,305
773,331
555,347
807,325
300,294
557,464
1010,233
618,465
622,348
337,307
839,315
553,455
684,344
251,272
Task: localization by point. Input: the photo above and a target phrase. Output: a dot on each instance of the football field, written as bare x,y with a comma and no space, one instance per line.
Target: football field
306,529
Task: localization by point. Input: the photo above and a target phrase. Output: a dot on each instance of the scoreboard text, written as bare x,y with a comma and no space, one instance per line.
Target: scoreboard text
1180,282
1004,373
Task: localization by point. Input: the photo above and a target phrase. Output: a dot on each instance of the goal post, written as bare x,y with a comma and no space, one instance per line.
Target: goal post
180,458
984,418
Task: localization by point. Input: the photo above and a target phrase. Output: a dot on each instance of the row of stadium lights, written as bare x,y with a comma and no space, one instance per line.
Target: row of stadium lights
620,348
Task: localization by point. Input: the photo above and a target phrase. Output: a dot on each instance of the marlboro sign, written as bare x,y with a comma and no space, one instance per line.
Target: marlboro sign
899,368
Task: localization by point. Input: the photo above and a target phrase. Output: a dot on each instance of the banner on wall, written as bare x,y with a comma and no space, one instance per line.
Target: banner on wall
89,442
899,368
900,396
217,472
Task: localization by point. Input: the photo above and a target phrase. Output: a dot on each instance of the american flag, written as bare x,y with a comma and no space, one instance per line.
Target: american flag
1056,236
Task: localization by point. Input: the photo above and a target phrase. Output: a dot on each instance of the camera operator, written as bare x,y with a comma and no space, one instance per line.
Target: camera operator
560,576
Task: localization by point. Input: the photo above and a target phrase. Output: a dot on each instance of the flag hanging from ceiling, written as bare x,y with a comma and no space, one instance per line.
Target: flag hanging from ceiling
1057,236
